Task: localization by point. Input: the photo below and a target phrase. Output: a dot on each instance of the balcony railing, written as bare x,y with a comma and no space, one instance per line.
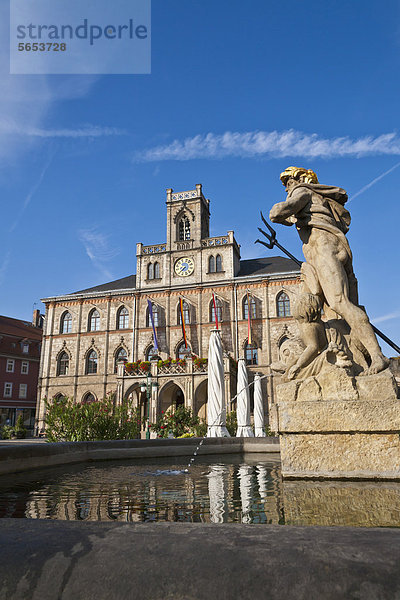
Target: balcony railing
155,249
221,240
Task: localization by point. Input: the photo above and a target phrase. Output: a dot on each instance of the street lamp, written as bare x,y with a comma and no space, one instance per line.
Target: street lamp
147,386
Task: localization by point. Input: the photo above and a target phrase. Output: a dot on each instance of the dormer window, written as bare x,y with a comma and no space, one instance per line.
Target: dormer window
184,228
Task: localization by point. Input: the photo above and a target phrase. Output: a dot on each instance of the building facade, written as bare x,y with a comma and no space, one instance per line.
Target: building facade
20,343
87,333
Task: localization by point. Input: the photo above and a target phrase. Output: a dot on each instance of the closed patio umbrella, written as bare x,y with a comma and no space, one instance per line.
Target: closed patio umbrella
216,407
258,408
243,402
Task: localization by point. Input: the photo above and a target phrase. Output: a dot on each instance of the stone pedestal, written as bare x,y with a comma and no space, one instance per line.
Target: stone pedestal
336,426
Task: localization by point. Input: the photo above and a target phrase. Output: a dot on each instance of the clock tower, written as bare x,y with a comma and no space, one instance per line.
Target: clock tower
189,256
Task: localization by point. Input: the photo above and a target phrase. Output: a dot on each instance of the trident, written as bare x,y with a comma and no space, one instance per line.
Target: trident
272,241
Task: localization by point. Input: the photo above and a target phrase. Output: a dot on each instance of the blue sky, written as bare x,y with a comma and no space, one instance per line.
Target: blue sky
238,91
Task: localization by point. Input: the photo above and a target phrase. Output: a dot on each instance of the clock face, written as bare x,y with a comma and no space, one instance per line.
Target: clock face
184,266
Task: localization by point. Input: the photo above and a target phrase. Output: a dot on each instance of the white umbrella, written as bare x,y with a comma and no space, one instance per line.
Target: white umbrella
216,407
258,408
243,402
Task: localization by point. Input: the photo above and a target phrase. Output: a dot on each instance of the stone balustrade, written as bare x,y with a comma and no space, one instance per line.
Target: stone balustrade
154,249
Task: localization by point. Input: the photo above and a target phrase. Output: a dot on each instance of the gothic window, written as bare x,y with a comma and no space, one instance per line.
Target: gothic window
150,271
184,229
182,352
94,320
211,264
156,270
88,398
251,354
218,305
123,318
186,313
120,355
283,305
246,308
156,316
91,362
63,364
59,397
66,323
218,263
152,354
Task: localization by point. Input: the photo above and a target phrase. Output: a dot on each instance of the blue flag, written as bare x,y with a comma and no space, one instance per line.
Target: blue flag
150,305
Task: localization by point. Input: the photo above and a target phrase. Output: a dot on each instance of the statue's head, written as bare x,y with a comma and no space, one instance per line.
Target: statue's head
298,175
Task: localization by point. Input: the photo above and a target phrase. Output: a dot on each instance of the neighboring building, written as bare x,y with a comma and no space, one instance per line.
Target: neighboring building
20,343
88,332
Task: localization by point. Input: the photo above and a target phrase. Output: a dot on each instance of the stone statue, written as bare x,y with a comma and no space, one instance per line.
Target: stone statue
328,280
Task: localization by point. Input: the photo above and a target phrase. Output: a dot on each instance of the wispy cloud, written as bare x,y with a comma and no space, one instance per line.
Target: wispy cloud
97,246
88,131
374,181
387,317
4,266
270,144
32,192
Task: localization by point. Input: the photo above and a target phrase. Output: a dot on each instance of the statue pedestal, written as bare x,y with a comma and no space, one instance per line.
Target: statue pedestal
336,426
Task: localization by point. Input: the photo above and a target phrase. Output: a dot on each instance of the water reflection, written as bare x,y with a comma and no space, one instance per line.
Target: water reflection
216,490
213,491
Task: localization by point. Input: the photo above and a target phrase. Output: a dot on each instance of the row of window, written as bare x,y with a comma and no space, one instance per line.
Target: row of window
282,310
282,305
94,320
10,366
91,364
23,390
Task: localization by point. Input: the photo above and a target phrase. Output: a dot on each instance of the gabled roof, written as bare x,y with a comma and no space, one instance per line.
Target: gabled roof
125,283
267,266
20,329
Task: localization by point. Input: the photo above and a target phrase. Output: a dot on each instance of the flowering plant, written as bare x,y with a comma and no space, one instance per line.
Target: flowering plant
142,365
179,422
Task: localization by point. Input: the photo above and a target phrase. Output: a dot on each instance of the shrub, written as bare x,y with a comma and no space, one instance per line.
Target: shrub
67,421
179,422
231,423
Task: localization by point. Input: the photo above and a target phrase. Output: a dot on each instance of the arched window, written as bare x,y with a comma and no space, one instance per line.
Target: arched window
123,318
211,264
66,323
218,263
156,270
91,362
156,315
251,354
218,305
283,305
94,320
63,364
182,352
88,398
184,228
246,308
152,354
186,313
59,397
120,355
150,271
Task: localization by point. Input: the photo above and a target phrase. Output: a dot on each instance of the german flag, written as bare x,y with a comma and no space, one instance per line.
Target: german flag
183,322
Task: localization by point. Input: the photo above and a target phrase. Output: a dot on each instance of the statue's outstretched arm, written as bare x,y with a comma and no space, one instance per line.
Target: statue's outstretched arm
296,202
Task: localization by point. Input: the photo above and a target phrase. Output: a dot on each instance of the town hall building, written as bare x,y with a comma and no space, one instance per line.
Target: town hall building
191,277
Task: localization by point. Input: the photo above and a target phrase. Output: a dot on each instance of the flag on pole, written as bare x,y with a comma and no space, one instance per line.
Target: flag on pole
150,305
249,338
215,311
183,322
